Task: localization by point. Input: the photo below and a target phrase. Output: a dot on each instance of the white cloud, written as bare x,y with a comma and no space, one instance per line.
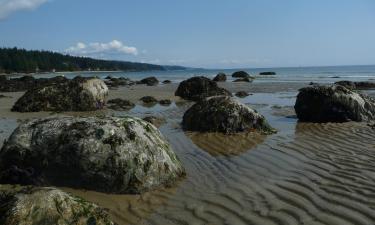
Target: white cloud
101,49
7,7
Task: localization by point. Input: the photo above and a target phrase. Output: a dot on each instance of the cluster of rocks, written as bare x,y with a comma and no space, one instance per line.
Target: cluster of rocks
362,85
149,100
27,82
114,82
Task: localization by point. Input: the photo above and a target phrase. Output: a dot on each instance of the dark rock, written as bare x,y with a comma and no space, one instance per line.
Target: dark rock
165,102
120,104
224,114
313,83
28,82
156,121
108,77
149,81
242,94
335,77
221,77
148,99
39,206
243,80
197,88
116,82
115,155
267,73
362,85
79,94
167,82
241,74
333,104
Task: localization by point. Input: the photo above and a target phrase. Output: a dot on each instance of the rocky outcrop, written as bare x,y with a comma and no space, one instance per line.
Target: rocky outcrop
41,206
120,104
362,85
333,103
149,81
224,114
221,77
198,88
79,94
111,154
267,73
241,74
117,82
28,82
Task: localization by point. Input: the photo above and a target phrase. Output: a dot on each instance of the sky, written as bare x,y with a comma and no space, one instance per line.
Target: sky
197,33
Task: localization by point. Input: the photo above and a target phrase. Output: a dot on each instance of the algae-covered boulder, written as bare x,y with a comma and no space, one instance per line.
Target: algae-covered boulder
198,88
79,94
45,206
333,103
224,114
111,154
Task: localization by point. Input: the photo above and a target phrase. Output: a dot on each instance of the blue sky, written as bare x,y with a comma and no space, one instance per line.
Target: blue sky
198,33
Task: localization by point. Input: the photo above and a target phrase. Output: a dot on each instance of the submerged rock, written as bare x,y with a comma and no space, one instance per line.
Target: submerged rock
224,114
333,103
221,77
149,81
362,85
116,155
267,73
120,104
241,74
198,88
79,94
149,99
42,206
242,94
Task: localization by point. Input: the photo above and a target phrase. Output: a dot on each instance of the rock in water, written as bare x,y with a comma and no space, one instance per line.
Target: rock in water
79,94
42,206
149,81
148,99
221,77
362,85
116,155
333,104
241,74
242,94
198,88
224,114
267,73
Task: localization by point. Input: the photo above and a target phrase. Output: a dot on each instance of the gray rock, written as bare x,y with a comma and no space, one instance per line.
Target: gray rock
149,81
42,206
79,94
117,155
221,77
333,103
224,114
197,88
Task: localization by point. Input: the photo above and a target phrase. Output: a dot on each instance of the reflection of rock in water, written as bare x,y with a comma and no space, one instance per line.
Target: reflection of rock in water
220,144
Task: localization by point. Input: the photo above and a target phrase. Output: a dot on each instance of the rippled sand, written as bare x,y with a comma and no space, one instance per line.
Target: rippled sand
305,174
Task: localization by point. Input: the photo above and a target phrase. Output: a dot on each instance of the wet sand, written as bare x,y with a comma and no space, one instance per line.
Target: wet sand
305,174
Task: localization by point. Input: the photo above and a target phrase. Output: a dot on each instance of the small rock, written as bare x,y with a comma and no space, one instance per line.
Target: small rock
241,74
242,94
267,73
149,99
149,81
167,82
156,121
221,77
120,104
165,102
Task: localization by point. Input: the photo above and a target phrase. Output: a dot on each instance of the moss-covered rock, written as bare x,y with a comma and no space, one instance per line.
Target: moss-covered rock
333,103
46,206
198,88
117,155
224,114
79,94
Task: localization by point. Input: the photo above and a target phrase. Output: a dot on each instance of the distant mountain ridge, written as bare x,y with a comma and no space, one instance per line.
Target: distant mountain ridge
14,60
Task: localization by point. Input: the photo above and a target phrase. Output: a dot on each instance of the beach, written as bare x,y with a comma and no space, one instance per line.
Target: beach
307,173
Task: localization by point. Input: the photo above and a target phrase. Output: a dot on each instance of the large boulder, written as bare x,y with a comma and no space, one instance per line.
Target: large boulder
333,103
224,114
111,154
356,85
42,206
149,81
198,88
220,77
241,74
79,94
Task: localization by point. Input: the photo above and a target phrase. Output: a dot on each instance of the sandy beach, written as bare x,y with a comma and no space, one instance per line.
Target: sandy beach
305,174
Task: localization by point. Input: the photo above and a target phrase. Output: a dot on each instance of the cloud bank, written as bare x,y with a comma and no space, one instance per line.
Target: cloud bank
8,7
101,49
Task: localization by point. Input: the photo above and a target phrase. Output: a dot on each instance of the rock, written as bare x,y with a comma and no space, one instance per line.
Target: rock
156,121
224,114
42,206
167,82
165,102
149,81
243,80
333,103
242,94
197,88
221,77
120,104
149,99
241,74
79,94
362,85
28,82
267,73
335,77
108,78
116,155
116,82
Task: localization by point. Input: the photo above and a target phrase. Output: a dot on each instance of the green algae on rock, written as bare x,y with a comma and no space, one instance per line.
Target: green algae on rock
111,154
44,206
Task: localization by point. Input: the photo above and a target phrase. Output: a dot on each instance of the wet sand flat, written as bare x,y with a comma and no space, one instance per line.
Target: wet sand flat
305,174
